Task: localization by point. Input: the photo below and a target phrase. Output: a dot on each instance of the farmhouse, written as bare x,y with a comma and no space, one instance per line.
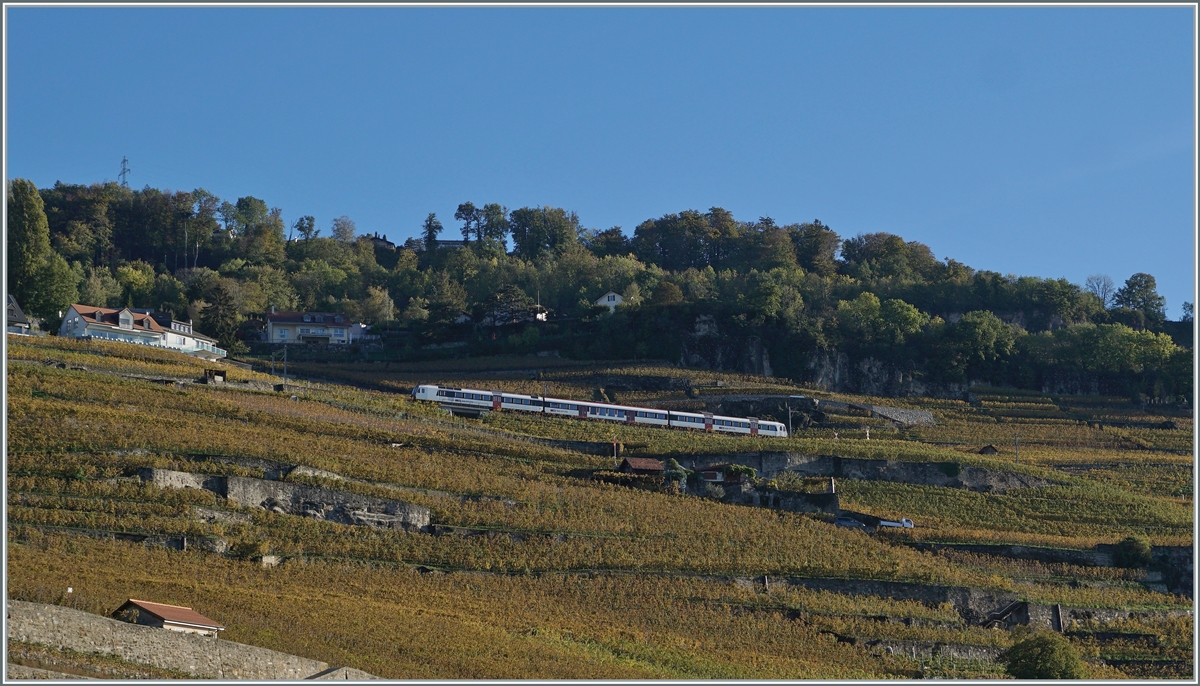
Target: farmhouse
172,617
610,300
641,465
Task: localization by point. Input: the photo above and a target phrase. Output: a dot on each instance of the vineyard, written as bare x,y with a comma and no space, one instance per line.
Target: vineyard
533,569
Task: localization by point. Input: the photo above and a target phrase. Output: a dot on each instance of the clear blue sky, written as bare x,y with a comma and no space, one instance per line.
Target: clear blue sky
1053,142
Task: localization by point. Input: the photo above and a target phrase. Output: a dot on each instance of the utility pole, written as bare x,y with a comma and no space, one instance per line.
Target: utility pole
124,171
1017,446
285,364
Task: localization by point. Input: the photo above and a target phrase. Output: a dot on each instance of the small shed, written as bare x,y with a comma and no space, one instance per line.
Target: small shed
716,474
641,465
172,617
988,450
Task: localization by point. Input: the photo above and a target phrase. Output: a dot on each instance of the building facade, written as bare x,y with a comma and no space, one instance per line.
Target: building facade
311,327
610,300
140,326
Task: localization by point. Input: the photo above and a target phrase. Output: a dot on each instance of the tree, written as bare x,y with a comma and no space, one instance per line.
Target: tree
1133,552
415,312
377,307
608,242
493,222
430,230
1101,286
816,247
53,288
900,320
306,226
343,229
220,318
28,238
1187,313
469,215
667,293
1043,655
1139,293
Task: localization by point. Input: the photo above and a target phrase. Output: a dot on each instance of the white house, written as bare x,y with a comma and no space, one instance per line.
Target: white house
308,327
610,300
137,326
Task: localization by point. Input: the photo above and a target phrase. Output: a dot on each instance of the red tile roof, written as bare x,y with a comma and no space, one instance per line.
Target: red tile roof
108,317
645,463
173,613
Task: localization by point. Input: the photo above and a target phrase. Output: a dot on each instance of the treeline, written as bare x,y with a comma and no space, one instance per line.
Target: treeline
800,288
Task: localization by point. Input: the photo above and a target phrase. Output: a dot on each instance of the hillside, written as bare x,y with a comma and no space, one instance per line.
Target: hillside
533,565
872,314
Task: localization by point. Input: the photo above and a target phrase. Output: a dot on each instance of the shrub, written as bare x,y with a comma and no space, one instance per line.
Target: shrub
1043,655
1133,552
713,491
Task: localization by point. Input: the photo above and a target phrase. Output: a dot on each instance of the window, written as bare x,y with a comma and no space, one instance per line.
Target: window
612,298
283,333
307,318
320,318
338,319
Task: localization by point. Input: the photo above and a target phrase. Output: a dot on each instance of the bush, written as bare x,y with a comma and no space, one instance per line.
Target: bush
1132,553
713,491
1043,655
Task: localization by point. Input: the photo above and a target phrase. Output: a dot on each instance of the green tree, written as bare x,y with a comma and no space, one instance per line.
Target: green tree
54,289
1140,293
608,242
221,318
1133,552
667,293
137,281
306,226
816,247
99,289
430,230
859,318
1043,655
343,229
28,239
470,216
899,320
377,307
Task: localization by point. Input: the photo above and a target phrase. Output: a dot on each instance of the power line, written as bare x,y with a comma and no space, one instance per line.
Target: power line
124,171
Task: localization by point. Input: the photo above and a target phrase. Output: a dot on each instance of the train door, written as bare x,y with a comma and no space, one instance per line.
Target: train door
708,421
753,425
629,416
583,411
496,399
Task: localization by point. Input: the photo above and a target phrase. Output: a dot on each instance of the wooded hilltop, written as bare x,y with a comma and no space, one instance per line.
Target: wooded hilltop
869,313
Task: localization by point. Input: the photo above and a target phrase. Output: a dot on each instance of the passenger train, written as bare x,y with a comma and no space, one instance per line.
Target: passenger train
475,399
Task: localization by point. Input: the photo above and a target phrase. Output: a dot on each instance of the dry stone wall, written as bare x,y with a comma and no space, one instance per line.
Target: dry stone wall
202,656
946,474
299,499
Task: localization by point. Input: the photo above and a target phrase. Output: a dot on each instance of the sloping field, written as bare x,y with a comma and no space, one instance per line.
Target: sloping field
531,568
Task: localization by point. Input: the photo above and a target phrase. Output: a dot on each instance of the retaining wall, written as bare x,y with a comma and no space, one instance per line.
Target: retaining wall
298,499
945,474
204,657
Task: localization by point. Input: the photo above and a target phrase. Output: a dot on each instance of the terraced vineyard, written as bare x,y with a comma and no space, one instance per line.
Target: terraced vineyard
532,568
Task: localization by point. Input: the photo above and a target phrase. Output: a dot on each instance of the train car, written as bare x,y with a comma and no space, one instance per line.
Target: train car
473,400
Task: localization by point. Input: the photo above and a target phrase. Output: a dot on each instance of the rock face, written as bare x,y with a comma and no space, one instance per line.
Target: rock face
833,371
299,499
788,501
706,347
946,474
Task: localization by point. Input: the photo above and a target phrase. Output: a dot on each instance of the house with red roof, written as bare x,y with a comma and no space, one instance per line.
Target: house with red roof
171,617
136,326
